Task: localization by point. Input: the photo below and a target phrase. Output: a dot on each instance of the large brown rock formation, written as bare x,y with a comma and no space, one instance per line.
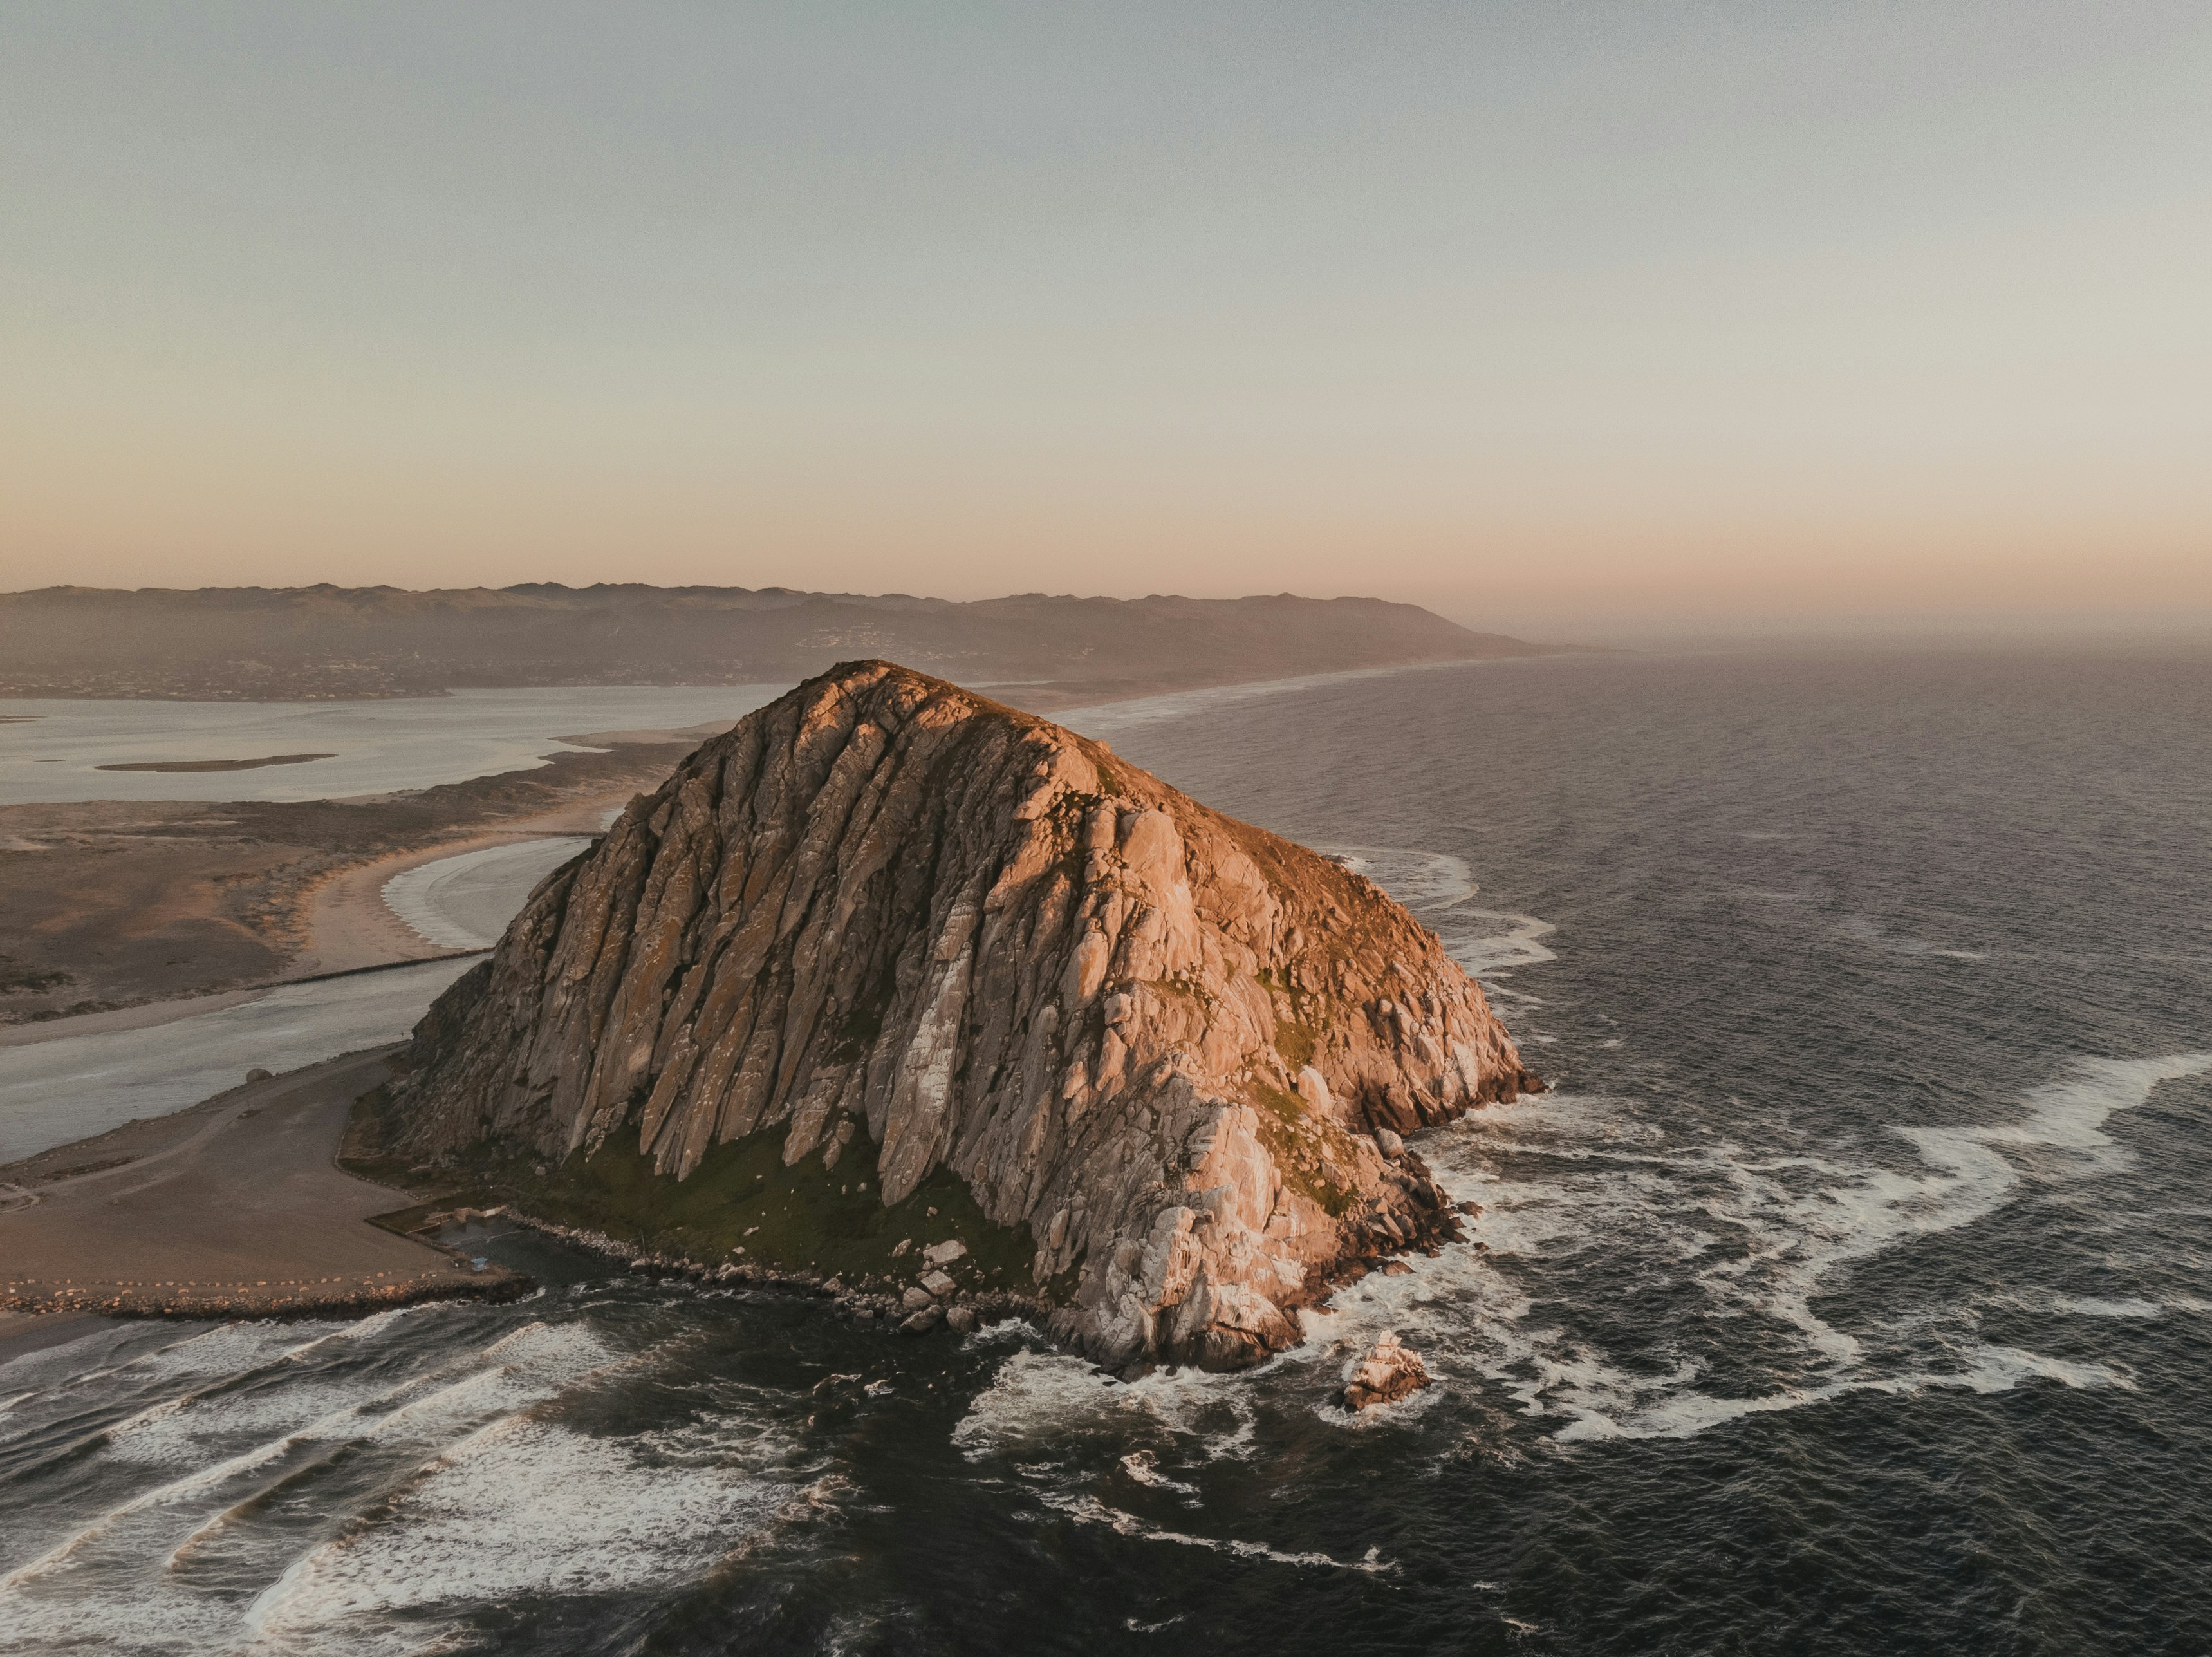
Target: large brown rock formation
891,920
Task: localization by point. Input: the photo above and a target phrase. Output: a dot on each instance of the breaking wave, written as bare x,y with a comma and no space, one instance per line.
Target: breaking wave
1756,1238
437,1472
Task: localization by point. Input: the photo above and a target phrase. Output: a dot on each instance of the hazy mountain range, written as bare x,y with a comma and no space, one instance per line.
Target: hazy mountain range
333,642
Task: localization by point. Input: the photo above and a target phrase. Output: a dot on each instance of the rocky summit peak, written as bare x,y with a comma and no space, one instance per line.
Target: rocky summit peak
888,947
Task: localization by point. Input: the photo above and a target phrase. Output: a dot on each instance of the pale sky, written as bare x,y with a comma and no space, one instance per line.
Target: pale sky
1550,316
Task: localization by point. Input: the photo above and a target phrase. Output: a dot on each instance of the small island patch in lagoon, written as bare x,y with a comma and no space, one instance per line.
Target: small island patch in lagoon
186,766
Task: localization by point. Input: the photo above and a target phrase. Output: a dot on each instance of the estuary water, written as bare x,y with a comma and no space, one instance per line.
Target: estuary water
72,1086
55,749
1851,1292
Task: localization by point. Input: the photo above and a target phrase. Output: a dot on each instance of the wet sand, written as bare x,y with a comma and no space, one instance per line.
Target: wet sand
349,925
143,1016
22,1332
233,1208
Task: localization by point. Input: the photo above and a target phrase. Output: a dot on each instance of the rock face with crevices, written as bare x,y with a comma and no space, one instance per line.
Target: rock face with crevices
1390,1372
891,921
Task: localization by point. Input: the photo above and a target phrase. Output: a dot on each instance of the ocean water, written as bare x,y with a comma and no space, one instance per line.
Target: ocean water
464,901
1851,1292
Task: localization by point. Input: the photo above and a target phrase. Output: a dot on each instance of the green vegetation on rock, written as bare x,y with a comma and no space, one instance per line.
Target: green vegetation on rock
1306,1147
740,1204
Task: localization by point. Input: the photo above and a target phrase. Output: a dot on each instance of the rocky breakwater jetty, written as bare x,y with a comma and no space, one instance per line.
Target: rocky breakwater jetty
896,931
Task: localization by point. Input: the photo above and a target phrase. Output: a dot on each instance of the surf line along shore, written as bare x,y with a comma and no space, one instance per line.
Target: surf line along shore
234,1207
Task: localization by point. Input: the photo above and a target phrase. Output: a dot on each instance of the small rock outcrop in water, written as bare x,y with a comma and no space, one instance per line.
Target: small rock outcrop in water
1386,1374
892,927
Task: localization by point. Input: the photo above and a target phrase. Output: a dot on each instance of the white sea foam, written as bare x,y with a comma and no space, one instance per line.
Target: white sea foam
1039,1402
1438,887
1791,1221
1485,942
200,1430
1144,1468
496,1516
2090,1307
484,1506
202,1479
1425,881
232,1349
1860,930
177,1432
515,1370
364,1330
1089,1510
1990,1369
201,1363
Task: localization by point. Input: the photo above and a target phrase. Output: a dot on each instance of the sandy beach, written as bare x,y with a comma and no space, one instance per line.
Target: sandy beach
348,923
347,926
117,915
233,1208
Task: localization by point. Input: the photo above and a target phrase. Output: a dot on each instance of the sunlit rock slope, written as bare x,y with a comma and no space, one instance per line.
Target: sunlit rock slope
897,928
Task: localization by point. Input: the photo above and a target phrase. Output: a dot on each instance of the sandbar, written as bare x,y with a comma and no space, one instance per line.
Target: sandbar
117,905
234,1207
349,924
187,766
144,1015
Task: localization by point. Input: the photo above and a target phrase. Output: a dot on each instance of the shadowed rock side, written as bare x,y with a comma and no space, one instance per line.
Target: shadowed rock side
894,920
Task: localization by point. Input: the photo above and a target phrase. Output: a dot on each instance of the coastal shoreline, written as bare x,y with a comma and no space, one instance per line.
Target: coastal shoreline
350,928
233,1207
349,925
110,908
329,1252
147,912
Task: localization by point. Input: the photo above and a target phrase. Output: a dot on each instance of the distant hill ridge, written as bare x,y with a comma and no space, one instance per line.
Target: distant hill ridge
1045,651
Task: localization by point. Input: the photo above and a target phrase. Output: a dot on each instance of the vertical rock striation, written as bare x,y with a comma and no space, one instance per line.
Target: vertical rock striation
896,923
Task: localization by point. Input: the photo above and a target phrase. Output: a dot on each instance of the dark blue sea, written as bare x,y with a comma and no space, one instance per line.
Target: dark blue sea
1851,1292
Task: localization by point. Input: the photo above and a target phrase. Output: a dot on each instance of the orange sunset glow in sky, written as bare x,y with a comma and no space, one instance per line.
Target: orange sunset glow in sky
1551,317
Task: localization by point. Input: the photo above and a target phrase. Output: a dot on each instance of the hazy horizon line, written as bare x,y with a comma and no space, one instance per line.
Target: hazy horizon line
1601,627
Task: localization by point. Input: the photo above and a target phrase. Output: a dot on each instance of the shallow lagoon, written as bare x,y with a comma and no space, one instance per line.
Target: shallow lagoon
50,750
